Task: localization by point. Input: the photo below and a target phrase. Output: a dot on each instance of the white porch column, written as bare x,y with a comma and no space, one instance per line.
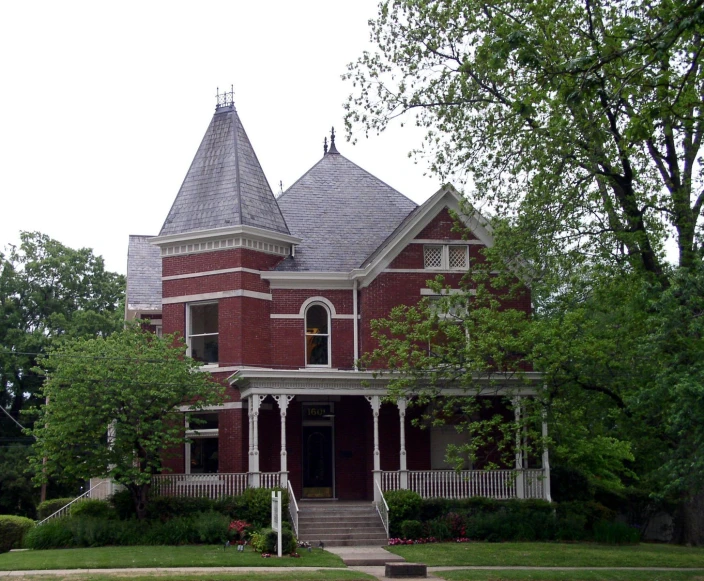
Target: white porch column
546,461
254,403
520,474
403,468
375,402
283,401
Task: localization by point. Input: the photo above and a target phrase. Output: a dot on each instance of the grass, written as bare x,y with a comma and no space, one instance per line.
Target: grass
589,575
551,555
157,556
283,575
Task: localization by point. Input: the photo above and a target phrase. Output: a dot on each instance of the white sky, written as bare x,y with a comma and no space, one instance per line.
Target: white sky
103,106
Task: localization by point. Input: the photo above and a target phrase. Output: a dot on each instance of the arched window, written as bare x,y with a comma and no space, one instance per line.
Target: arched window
317,335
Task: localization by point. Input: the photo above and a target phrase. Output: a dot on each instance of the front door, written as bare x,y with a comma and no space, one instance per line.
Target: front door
317,461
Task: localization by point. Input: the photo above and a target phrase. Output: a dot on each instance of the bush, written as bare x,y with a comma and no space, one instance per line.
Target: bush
177,531
53,534
94,508
12,531
438,528
403,505
123,503
211,527
255,506
49,507
167,507
288,541
615,533
411,529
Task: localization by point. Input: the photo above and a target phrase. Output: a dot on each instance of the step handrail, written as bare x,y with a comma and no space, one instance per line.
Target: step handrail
382,509
64,508
293,508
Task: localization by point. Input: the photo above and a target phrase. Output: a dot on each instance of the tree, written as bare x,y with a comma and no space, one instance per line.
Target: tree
579,126
579,122
48,292
113,408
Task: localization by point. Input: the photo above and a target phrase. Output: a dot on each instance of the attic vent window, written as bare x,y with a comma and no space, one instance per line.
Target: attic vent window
446,257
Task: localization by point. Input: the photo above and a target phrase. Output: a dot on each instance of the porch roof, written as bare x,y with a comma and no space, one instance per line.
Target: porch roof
306,381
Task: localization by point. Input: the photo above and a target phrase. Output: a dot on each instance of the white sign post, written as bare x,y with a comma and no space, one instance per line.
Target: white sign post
276,518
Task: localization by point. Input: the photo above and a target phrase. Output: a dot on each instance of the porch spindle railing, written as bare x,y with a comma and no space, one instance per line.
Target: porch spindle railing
293,509
269,480
383,509
191,485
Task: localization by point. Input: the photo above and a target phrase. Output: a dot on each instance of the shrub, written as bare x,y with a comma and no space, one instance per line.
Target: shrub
438,529
49,507
94,508
288,541
168,507
177,531
615,533
258,541
12,531
403,505
211,527
256,506
411,529
53,534
123,503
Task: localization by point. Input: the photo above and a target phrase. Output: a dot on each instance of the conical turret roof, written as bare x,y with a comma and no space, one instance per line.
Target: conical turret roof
225,185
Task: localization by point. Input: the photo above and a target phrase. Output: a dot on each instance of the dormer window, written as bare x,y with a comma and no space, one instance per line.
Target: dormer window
317,336
202,327
446,257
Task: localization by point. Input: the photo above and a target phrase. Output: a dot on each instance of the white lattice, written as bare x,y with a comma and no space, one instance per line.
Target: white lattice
458,256
432,256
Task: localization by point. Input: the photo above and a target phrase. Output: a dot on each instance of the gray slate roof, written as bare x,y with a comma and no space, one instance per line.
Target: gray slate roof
143,275
225,185
342,213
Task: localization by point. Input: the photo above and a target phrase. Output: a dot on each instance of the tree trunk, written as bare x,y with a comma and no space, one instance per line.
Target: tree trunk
693,519
140,495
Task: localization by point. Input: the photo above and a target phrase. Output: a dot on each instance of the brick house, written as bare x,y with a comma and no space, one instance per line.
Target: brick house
275,297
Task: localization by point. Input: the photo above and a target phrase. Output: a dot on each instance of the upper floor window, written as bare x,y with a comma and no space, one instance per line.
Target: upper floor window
446,256
317,335
202,333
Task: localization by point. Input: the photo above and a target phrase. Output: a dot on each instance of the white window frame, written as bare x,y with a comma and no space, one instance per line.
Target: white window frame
196,434
188,329
445,257
306,335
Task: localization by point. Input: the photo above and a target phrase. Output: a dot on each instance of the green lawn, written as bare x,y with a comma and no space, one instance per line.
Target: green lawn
551,555
158,556
590,575
283,575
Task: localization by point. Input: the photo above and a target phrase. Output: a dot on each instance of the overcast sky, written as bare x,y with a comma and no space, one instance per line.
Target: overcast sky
103,106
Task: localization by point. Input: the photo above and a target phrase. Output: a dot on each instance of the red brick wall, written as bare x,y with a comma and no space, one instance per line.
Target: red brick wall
218,260
441,227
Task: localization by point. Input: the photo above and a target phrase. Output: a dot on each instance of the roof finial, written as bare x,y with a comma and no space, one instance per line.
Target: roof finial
332,149
325,146
226,99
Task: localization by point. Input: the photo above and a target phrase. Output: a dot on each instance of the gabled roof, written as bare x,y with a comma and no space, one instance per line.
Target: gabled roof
342,213
225,185
143,275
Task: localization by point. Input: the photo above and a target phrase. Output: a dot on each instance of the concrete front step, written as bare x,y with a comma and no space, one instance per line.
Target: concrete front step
340,524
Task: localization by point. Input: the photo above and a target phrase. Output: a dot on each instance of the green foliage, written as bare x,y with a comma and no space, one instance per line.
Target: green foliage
17,495
49,507
211,527
288,541
403,505
254,506
411,529
93,507
12,530
615,533
258,541
131,382
54,534
168,507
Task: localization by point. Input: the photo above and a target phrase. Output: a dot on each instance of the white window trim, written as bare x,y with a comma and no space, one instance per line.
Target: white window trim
445,257
194,434
188,329
305,334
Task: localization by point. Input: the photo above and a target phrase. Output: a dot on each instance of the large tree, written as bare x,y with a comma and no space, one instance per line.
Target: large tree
112,408
578,125
579,122
48,292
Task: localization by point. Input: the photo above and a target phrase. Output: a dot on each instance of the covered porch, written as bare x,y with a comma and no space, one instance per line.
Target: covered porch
333,435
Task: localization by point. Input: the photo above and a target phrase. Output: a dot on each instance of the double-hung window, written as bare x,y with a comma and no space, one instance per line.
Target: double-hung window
202,334
317,335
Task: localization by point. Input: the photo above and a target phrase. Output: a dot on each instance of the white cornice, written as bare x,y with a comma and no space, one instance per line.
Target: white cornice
213,233
215,296
308,280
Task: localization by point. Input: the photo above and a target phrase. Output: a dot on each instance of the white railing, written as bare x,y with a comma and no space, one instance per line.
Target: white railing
500,484
293,509
533,483
383,509
269,480
64,510
191,485
390,480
